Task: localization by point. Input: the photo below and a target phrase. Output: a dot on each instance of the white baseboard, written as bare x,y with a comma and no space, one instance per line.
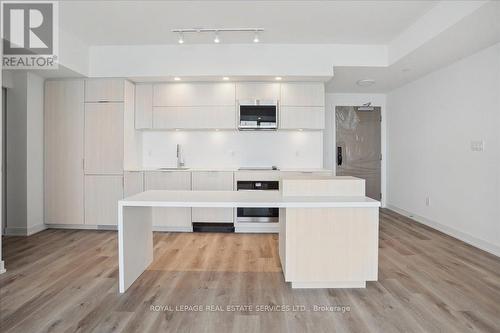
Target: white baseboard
22,231
464,237
173,229
326,285
36,228
114,227
81,226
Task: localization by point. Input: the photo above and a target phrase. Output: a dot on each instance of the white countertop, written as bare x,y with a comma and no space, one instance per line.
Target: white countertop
305,170
161,198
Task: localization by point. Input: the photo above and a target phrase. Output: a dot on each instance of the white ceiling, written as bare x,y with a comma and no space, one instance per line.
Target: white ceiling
322,22
477,31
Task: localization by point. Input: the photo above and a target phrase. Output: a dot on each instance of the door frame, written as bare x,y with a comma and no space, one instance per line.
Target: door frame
330,143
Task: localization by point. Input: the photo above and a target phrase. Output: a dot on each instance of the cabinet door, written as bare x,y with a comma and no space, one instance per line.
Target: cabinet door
133,183
194,94
303,94
201,117
102,194
170,219
212,181
303,117
63,122
104,90
143,106
257,90
103,138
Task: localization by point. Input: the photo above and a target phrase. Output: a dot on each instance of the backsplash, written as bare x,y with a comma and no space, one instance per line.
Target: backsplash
229,149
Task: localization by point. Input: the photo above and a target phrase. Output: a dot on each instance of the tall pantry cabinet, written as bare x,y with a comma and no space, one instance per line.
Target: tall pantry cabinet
85,130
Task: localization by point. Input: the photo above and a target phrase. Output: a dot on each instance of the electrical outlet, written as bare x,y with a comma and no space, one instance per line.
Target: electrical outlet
427,201
477,145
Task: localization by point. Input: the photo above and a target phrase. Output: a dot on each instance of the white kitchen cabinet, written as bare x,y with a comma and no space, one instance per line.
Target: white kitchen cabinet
257,90
133,183
302,94
194,117
63,128
104,138
194,94
170,219
143,106
104,90
212,181
102,193
302,117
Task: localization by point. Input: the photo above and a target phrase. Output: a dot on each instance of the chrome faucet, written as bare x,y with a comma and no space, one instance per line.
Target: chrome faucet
180,160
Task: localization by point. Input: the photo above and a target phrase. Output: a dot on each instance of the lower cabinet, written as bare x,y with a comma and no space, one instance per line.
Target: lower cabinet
212,181
102,193
170,219
133,183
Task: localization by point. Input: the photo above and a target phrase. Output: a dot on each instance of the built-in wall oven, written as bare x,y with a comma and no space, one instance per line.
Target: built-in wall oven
257,214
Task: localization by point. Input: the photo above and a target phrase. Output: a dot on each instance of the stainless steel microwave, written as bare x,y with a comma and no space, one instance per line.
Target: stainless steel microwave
258,115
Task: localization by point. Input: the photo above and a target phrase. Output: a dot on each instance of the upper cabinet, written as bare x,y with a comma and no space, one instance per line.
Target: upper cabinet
212,105
302,106
143,106
193,106
104,90
194,94
257,90
302,94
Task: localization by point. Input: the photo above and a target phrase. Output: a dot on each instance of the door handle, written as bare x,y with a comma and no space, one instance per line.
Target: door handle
339,155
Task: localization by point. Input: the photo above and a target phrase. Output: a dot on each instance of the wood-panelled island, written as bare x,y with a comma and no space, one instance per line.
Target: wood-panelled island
328,229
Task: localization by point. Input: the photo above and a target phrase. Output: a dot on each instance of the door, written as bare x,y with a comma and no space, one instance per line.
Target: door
63,127
103,138
358,145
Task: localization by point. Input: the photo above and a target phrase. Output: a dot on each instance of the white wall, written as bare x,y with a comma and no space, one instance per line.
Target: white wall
34,152
2,264
16,154
431,123
230,149
345,99
25,154
230,59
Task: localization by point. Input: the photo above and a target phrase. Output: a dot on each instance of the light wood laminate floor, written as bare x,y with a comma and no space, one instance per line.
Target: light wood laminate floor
67,281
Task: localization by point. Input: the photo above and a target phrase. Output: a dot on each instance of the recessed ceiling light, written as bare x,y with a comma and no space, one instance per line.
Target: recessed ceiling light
216,39
278,78
177,78
365,82
181,39
256,37
225,78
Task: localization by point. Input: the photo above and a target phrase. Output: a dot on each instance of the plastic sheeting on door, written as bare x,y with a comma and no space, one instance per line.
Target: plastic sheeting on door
359,147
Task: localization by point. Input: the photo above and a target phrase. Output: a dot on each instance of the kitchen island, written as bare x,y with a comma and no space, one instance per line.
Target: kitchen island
328,229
